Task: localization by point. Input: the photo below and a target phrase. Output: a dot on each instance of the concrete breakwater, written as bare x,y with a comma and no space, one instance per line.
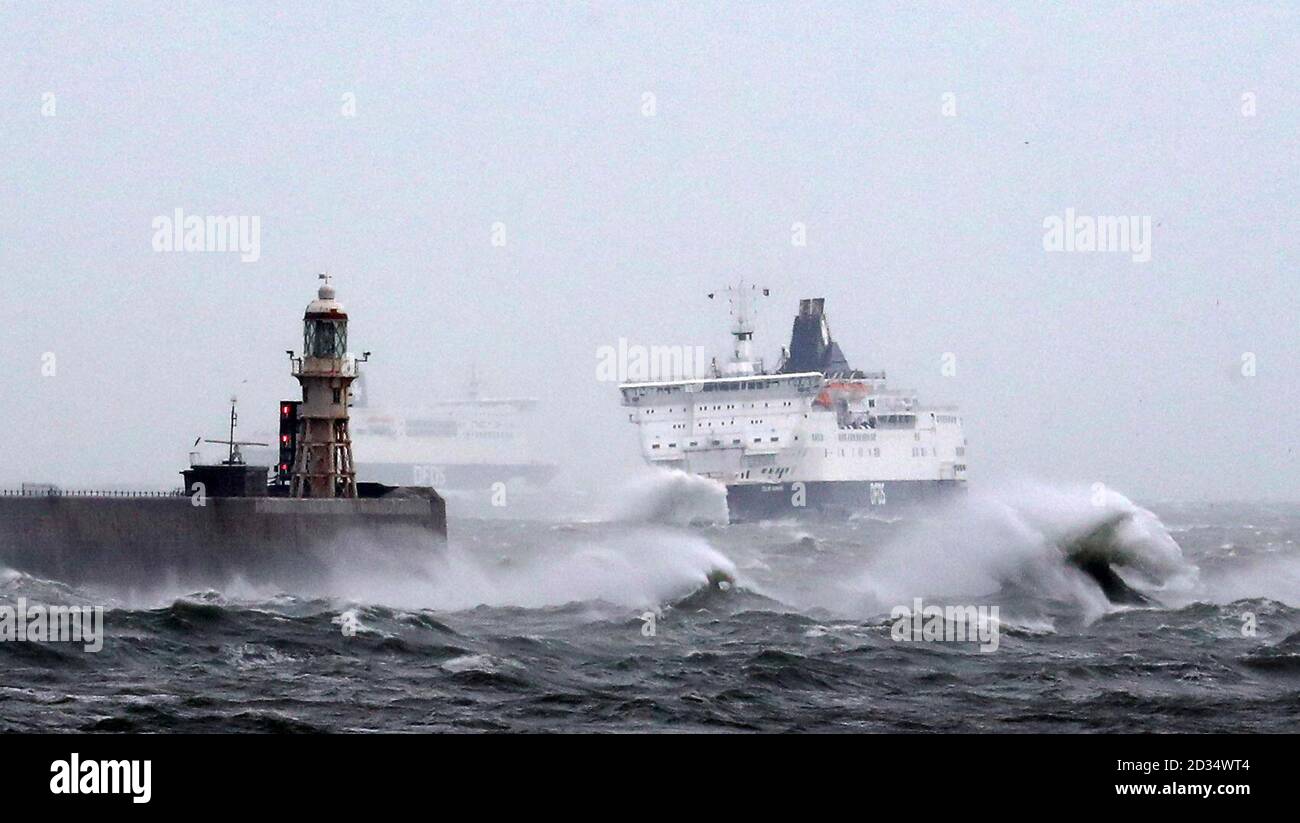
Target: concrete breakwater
150,540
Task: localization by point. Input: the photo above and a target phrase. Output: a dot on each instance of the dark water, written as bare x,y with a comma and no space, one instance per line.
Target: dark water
532,625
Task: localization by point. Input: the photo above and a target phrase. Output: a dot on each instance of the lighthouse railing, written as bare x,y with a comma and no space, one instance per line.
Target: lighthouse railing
325,366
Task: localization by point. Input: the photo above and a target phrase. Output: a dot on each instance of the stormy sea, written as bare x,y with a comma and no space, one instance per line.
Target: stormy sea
654,615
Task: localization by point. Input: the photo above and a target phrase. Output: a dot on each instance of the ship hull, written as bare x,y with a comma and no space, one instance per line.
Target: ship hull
140,543
840,499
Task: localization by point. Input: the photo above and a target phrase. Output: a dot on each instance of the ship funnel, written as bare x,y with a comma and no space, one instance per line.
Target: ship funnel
812,306
811,346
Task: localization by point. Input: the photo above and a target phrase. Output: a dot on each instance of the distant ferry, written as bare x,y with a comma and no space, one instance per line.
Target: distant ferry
814,437
471,442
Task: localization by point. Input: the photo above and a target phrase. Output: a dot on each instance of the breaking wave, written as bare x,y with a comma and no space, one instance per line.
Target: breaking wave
642,568
639,568
1022,541
670,496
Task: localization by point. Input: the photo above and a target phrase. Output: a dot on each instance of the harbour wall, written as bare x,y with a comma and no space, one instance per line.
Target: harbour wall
148,540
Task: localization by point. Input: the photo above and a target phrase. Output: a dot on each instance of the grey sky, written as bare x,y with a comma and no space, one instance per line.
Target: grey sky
925,232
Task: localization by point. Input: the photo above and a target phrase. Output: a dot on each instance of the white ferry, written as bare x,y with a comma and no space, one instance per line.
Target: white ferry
814,437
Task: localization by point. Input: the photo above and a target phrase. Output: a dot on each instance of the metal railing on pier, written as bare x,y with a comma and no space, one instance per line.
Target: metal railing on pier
90,493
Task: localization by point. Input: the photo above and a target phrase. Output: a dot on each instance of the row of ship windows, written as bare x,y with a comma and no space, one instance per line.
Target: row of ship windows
734,442
801,383
865,438
721,423
719,407
759,422
903,420
896,419
916,451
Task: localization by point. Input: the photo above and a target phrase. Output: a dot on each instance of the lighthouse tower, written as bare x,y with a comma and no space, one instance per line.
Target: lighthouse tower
322,463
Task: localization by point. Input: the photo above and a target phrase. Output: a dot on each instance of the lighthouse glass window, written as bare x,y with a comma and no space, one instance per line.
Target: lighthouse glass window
325,338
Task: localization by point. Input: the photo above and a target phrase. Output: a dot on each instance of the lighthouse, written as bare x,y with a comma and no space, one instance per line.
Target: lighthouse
322,463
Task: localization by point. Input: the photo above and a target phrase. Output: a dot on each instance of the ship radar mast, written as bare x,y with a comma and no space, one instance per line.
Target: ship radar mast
742,301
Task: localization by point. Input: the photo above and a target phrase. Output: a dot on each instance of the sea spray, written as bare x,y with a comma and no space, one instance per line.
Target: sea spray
710,661
669,496
638,567
641,568
1015,541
